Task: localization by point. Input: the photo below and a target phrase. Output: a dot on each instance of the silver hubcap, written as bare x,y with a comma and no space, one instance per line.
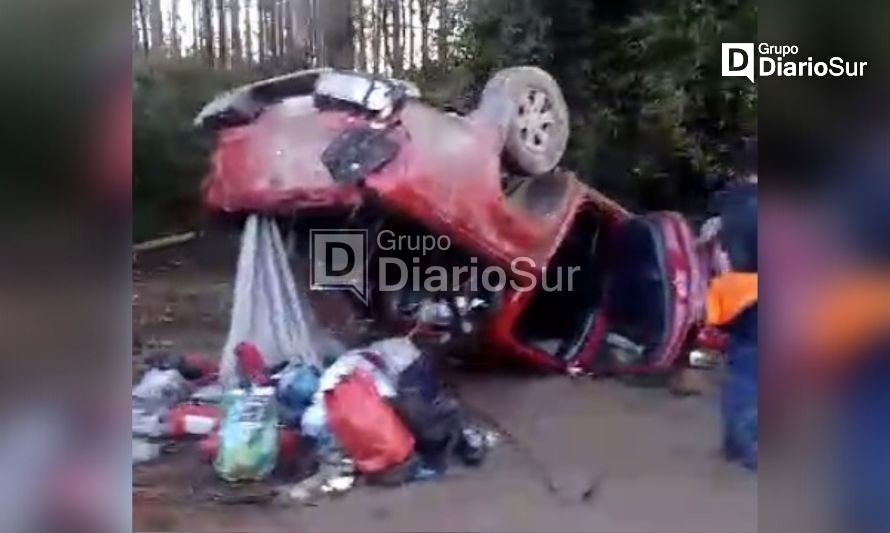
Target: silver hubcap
535,119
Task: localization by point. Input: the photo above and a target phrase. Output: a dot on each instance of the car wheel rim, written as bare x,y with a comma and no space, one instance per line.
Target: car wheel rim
535,120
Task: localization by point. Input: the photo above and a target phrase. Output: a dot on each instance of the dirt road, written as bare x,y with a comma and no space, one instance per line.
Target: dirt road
578,454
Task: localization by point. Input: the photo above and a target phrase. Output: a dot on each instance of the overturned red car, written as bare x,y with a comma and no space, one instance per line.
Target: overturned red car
372,153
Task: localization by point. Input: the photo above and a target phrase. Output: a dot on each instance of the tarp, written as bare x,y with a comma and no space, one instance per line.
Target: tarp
267,310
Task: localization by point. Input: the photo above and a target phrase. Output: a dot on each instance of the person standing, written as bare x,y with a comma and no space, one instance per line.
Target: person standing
732,306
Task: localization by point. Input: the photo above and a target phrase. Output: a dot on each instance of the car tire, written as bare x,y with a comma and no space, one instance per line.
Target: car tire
538,131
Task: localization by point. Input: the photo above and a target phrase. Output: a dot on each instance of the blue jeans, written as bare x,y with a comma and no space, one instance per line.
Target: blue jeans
739,405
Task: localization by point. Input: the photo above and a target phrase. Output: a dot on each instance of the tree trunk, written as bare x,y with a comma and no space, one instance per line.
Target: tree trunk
398,51
406,54
410,25
272,28
196,29
316,44
336,19
134,21
235,27
425,9
261,30
444,28
362,44
143,23
376,24
221,18
248,33
279,27
157,27
301,24
207,22
289,44
175,45
384,31
261,42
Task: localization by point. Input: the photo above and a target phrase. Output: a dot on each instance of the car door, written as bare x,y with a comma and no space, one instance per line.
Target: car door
653,294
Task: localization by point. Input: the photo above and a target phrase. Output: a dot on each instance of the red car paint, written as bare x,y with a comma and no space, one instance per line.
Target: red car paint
261,166
685,287
447,177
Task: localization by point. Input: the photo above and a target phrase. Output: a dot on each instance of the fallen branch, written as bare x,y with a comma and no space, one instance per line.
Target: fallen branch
163,242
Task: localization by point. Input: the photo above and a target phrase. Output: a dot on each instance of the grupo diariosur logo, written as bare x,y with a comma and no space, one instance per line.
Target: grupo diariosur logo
739,60
338,261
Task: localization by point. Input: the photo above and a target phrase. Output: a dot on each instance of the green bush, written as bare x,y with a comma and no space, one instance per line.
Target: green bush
170,156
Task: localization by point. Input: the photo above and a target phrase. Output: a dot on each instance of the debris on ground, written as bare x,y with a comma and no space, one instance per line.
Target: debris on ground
288,406
211,394
376,414
158,392
193,419
144,451
335,475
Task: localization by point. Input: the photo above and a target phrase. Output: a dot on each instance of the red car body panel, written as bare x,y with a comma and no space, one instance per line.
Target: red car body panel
263,166
446,177
686,297
453,187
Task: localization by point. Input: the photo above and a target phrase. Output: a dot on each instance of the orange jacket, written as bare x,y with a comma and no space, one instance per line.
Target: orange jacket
729,295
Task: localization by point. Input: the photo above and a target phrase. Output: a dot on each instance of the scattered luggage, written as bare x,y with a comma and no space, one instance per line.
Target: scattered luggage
379,412
365,426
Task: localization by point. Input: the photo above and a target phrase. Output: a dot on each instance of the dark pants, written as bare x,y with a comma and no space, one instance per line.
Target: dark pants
739,405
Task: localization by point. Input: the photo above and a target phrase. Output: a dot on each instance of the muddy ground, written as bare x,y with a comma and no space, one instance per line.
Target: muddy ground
577,454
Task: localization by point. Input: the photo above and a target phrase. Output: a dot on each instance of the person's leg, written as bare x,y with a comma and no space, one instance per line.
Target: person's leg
739,405
740,436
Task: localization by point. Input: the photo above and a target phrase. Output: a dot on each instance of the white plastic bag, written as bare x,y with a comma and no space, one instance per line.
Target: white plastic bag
397,352
154,395
266,309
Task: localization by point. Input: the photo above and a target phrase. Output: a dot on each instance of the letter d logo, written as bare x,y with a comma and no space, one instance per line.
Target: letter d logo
738,60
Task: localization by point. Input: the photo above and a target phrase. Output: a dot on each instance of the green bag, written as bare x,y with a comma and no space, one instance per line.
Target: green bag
248,446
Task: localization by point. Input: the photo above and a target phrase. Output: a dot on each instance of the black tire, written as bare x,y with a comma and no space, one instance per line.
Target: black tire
538,132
